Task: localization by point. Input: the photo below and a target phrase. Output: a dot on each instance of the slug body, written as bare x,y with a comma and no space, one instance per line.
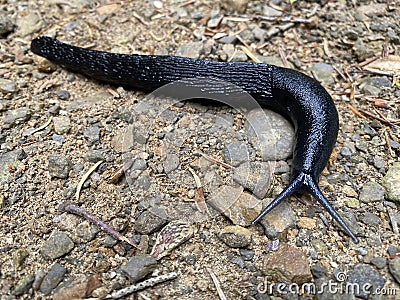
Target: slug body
300,98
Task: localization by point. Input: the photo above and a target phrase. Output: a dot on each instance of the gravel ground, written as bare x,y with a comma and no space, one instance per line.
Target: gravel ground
57,125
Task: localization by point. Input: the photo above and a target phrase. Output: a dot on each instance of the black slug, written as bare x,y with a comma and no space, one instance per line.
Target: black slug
297,96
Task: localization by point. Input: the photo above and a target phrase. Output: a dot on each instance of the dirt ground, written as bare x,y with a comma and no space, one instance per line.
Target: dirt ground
55,125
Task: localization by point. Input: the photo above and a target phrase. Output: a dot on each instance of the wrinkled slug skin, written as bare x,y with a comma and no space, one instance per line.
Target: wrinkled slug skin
300,98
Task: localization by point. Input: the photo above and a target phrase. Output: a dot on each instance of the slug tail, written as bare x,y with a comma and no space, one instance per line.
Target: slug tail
305,182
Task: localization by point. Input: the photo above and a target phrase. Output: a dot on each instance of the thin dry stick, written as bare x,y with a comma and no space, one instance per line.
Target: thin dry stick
384,121
355,111
42,126
217,285
388,143
225,165
73,208
393,221
121,171
199,194
142,285
82,181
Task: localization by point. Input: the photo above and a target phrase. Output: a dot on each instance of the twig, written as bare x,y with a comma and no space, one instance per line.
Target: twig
82,181
393,221
388,143
384,121
199,194
249,54
43,126
125,167
356,111
225,165
217,285
74,209
187,3
142,285
283,57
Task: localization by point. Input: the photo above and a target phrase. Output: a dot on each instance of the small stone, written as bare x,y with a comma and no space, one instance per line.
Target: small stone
85,232
320,247
379,262
171,163
6,23
318,271
62,124
324,73
394,268
239,6
63,95
59,166
19,257
307,223
78,289
362,52
247,254
372,192
24,285
254,176
95,156
235,236
370,219
352,203
57,245
7,86
364,275
391,182
191,50
270,134
29,24
281,218
240,207
236,153
287,264
271,12
53,278
17,116
139,266
151,221
92,135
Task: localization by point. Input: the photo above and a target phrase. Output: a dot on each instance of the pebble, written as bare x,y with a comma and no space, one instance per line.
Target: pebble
57,245
247,254
95,155
171,163
281,218
62,124
7,86
307,223
78,289
268,11
28,24
17,116
362,275
323,73
13,160
23,285
139,266
391,183
270,134
287,264
235,236
254,176
191,50
85,232
362,52
6,23
92,135
373,9
53,278
374,85
59,166
394,268
372,192
318,271
236,153
151,221
240,207
379,262
239,6
370,219
63,95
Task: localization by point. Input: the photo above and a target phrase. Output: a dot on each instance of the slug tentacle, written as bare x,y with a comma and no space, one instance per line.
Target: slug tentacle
289,92
306,182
